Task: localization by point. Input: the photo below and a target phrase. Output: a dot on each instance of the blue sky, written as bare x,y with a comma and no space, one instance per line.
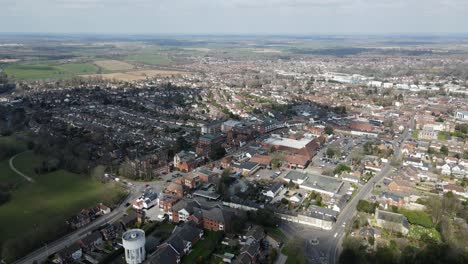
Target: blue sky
235,16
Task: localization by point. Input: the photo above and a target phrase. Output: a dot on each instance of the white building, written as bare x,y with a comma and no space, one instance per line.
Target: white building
134,245
461,114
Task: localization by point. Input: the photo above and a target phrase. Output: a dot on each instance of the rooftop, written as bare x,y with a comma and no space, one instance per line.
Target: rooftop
287,142
133,235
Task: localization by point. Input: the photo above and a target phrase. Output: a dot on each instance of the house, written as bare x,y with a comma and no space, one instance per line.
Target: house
263,160
146,201
208,143
134,216
186,161
295,177
182,210
69,254
165,255
217,219
390,199
205,175
461,114
183,238
446,169
112,231
458,190
91,241
400,185
350,177
167,201
296,199
391,221
274,190
175,189
103,209
296,161
250,252
340,203
458,171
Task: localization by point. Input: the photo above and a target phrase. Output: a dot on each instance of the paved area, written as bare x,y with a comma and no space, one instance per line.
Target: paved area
13,168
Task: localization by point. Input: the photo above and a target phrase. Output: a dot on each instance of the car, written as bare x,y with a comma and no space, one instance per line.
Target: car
258,175
336,234
127,204
314,242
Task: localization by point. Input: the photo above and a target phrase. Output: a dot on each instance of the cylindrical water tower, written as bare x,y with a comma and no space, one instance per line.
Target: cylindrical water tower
134,244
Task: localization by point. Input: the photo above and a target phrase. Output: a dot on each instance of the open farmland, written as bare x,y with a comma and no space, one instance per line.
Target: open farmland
136,75
48,70
149,58
114,65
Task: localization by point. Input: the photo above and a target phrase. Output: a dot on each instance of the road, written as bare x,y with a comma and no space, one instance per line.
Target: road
327,251
41,254
13,168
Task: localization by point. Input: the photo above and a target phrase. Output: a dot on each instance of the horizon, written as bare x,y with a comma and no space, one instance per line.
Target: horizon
236,17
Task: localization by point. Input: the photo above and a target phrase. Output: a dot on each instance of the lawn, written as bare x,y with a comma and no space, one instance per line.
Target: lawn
203,248
8,176
37,211
415,134
294,250
442,136
48,70
276,233
12,141
149,58
416,231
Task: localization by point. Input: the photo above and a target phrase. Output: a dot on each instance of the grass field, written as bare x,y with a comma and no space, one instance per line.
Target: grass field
8,176
114,65
12,141
48,70
149,58
135,75
203,248
37,210
294,251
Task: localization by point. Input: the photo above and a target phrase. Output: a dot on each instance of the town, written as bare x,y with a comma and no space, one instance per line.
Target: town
311,159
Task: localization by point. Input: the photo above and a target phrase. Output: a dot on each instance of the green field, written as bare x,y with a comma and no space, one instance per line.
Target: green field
11,141
203,248
37,211
295,252
49,70
8,176
149,58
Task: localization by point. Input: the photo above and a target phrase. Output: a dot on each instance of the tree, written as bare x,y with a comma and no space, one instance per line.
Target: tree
275,163
217,153
365,206
329,130
330,152
444,150
340,168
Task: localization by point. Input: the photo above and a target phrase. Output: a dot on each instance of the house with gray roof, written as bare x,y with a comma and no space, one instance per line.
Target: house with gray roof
391,221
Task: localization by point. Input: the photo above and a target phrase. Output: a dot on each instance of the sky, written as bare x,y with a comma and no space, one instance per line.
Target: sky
235,16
